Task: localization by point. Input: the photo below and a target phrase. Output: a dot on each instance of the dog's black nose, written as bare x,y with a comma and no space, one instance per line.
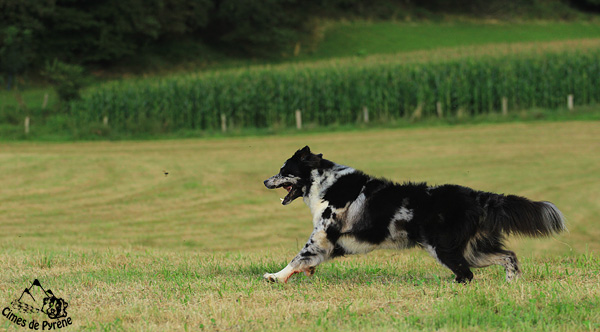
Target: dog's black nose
269,185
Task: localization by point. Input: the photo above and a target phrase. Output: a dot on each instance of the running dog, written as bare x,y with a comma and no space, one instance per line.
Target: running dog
355,213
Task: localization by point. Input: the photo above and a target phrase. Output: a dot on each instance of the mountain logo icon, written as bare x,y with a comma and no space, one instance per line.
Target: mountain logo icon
36,299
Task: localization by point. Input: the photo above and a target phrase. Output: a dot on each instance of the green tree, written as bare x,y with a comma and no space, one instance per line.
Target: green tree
101,31
260,27
67,79
15,52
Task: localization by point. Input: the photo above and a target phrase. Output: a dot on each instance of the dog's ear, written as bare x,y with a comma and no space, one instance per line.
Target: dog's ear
305,150
303,153
313,160
307,157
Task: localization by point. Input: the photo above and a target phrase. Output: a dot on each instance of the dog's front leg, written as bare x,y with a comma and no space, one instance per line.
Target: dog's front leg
318,249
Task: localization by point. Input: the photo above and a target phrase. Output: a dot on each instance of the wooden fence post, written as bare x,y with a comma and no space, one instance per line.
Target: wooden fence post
570,102
504,106
418,112
27,125
45,103
298,119
223,123
440,111
365,114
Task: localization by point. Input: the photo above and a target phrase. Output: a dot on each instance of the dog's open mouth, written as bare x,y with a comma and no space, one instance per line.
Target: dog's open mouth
286,185
293,192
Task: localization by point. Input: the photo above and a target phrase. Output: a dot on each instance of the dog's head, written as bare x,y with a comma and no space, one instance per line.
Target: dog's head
294,175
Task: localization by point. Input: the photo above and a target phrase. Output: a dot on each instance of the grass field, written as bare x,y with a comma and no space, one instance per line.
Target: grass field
133,249
366,38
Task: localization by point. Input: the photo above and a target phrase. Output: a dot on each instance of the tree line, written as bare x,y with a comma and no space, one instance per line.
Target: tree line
100,32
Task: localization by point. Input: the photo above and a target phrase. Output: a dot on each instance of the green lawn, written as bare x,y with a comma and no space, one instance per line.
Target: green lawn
368,38
132,249
32,97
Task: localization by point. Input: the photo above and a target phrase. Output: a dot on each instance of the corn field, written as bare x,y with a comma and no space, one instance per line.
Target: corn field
334,94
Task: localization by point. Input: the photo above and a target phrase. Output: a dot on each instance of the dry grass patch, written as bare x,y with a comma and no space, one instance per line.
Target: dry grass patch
131,248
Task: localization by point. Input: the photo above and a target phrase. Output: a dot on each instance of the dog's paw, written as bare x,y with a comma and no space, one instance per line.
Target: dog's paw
512,276
270,277
310,271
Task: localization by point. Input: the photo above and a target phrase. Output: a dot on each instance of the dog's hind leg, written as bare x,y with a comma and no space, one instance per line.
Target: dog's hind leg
318,249
511,265
505,258
486,249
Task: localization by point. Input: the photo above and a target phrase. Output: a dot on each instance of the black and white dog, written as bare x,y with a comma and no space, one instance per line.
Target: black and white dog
356,213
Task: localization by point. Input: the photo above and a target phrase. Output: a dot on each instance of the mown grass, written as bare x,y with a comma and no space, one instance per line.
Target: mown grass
132,249
133,289
367,38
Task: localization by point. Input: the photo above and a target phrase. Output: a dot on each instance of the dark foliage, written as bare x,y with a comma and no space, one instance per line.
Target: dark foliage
108,31
260,27
587,5
67,79
88,32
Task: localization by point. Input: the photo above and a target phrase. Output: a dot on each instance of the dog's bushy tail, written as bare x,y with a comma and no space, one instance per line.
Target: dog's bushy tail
518,215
